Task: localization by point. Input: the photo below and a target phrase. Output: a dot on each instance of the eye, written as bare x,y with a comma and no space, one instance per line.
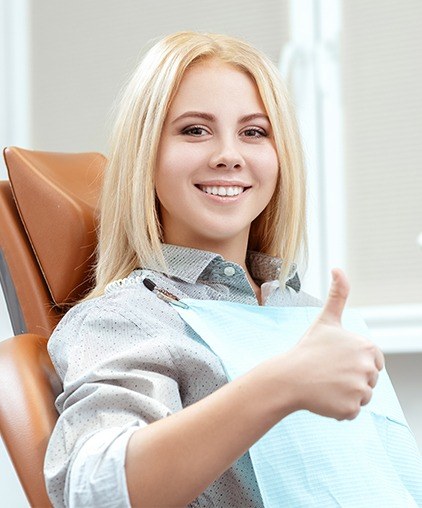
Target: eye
195,130
254,132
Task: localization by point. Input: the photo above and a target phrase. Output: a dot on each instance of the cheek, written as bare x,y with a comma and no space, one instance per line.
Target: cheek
163,177
268,168
167,169
166,190
177,169
179,160
172,177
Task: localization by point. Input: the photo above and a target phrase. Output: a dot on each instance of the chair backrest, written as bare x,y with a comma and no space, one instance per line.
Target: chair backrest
47,233
47,242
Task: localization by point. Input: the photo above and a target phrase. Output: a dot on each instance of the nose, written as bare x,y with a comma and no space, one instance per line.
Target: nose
227,156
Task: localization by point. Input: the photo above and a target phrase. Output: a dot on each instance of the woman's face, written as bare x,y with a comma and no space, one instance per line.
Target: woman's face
217,165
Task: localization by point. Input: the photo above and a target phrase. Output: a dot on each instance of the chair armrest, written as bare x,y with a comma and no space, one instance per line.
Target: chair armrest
28,388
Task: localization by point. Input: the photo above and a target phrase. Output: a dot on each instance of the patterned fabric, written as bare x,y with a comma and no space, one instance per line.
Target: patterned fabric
127,359
308,460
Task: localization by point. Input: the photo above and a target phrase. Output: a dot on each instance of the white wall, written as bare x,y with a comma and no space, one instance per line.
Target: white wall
82,53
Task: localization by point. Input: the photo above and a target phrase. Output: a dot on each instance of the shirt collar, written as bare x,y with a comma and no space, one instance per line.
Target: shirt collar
190,264
185,263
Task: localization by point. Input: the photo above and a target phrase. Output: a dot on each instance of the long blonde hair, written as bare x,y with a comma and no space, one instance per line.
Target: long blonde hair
129,228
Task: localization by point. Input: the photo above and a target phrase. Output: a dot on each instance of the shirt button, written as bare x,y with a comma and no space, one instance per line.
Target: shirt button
229,271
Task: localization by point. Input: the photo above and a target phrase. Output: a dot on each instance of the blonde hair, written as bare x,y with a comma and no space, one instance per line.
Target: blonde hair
129,228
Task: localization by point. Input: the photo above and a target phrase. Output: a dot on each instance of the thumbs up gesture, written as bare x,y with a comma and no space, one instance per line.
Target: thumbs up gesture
337,297
334,370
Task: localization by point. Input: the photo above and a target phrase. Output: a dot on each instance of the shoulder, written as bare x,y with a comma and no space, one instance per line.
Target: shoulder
289,297
125,301
305,299
103,309
119,320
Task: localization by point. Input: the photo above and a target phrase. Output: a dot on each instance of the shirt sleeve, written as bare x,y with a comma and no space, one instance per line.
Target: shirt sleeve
97,474
117,376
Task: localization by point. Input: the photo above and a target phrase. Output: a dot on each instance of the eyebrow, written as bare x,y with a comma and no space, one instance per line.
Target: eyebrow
212,118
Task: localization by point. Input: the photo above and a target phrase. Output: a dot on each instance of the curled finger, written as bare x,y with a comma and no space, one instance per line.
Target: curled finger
367,396
379,359
373,378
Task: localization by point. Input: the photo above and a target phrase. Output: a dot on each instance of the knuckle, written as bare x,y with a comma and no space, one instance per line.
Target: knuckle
353,413
350,411
369,368
370,347
364,386
372,380
367,397
360,388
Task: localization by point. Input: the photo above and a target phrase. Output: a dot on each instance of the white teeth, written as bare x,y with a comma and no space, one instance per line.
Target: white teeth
222,191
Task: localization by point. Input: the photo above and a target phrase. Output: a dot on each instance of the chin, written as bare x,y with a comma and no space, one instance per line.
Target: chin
219,237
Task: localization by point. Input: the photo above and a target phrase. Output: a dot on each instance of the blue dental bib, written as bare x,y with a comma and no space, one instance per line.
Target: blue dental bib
307,460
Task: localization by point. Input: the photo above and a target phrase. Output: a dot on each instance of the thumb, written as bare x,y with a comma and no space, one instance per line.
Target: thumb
337,297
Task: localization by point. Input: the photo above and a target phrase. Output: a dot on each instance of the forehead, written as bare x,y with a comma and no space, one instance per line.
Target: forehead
217,85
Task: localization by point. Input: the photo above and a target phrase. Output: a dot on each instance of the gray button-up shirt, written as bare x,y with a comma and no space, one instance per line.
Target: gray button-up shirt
127,359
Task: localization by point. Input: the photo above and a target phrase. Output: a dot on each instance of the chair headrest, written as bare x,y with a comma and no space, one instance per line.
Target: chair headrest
57,195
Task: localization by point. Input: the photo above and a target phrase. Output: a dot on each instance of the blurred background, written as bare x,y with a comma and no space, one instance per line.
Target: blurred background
352,69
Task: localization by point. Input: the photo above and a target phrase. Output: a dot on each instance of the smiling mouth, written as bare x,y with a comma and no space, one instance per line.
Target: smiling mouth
219,190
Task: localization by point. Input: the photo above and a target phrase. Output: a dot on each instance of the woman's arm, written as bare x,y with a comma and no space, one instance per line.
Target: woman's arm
330,372
172,461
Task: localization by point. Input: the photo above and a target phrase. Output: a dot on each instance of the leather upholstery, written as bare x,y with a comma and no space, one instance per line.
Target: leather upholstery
39,314
47,241
56,196
27,412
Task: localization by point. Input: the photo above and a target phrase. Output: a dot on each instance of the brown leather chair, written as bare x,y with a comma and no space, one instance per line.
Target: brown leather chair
47,243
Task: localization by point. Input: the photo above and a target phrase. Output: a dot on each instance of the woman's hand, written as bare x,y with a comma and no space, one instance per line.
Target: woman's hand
333,370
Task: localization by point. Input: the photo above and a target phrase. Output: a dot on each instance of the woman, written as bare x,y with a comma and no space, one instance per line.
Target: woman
203,194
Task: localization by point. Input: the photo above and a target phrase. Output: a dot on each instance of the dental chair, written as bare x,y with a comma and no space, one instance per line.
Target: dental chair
47,243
